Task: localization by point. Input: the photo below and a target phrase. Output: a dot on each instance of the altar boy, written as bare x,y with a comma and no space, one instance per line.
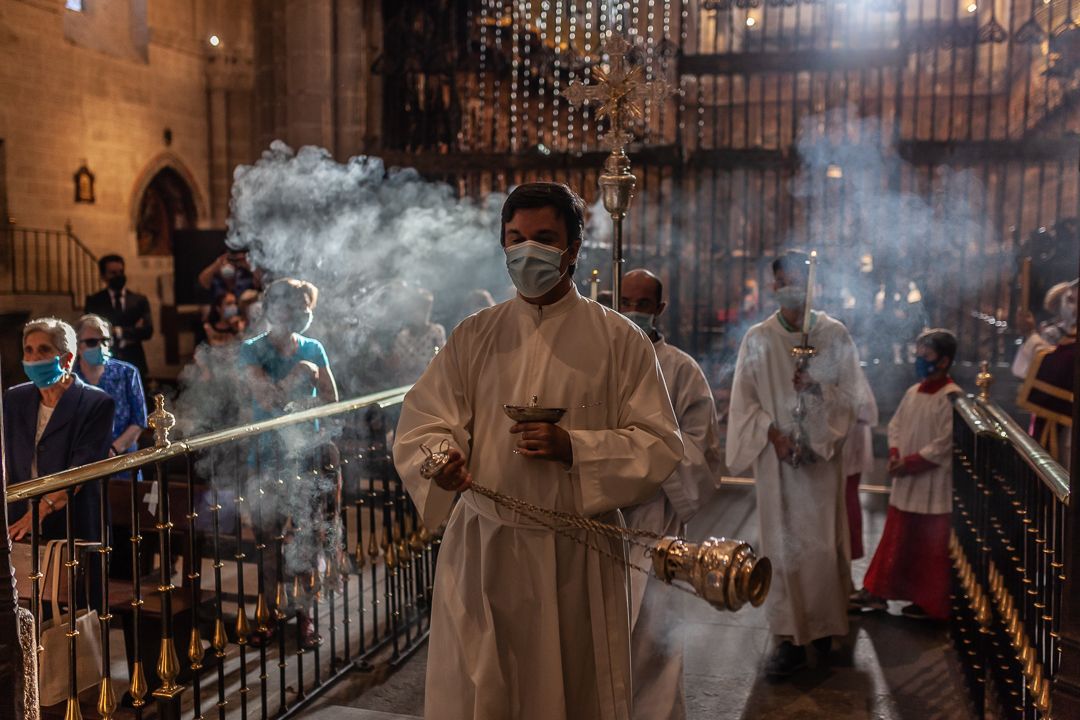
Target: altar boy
912,559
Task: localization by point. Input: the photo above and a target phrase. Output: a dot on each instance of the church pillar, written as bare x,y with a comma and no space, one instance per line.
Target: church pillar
308,73
229,81
349,41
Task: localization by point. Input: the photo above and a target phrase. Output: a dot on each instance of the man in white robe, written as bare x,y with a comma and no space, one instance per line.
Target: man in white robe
801,510
528,623
656,645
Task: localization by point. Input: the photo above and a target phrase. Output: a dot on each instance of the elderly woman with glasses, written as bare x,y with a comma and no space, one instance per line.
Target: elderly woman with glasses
52,423
120,379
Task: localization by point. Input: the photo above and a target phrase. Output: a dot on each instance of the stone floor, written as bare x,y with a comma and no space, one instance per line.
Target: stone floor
888,668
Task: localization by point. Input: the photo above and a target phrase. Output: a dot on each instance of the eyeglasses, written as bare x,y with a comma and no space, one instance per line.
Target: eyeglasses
93,342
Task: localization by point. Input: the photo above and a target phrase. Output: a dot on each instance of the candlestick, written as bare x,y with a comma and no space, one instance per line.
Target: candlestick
810,278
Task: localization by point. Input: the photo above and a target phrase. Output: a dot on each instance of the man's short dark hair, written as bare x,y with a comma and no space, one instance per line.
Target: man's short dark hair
567,203
941,341
106,259
791,262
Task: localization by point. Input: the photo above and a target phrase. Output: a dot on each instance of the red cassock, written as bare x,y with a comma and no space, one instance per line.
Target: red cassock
912,561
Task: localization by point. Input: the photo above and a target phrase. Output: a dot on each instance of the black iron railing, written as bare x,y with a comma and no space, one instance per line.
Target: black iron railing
1010,503
299,518
46,262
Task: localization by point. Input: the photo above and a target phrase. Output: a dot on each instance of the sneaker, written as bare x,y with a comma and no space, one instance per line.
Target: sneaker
914,612
786,659
865,601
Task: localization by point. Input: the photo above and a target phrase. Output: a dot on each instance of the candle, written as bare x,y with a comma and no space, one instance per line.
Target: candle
810,277
594,280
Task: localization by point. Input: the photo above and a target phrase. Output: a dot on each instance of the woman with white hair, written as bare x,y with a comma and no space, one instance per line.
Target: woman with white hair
121,380
52,423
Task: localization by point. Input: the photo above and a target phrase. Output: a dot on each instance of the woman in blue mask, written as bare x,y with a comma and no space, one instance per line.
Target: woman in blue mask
121,380
52,423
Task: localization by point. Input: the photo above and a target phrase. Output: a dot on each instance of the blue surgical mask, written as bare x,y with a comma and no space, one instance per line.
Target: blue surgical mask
44,373
924,368
534,267
791,297
643,320
95,355
229,312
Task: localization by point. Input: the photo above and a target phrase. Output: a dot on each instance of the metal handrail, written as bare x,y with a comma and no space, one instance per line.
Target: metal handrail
1049,471
972,415
141,458
985,418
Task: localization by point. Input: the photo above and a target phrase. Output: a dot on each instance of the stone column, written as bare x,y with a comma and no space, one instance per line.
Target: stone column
308,73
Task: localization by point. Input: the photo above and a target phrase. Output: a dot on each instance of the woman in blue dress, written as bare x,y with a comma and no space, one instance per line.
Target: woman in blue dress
286,372
119,379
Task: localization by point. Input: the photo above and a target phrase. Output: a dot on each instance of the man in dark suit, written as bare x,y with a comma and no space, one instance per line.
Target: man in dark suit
129,313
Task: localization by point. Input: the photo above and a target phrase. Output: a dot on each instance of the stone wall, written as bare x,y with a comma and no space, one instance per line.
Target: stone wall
102,86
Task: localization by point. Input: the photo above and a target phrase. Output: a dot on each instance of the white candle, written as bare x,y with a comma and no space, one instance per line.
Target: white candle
810,278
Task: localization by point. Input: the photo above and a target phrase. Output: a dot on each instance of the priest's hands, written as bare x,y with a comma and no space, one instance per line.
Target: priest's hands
782,444
803,382
455,477
544,441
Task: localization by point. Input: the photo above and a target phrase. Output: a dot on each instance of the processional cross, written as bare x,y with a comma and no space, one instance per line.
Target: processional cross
622,95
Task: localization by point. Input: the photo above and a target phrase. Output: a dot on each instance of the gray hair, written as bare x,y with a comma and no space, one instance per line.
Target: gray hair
61,334
95,321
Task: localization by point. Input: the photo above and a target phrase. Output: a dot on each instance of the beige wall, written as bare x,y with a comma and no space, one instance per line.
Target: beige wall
76,88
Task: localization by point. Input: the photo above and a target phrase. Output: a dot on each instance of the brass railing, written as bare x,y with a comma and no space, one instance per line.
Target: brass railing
36,261
1010,505
366,587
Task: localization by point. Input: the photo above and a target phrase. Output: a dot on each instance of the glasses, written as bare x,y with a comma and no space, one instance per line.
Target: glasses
93,342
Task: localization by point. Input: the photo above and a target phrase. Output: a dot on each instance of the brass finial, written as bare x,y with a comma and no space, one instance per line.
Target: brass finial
195,649
221,639
984,380
138,685
161,421
106,705
168,668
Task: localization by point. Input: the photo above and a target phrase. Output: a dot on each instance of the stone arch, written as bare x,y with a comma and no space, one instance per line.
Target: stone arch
166,161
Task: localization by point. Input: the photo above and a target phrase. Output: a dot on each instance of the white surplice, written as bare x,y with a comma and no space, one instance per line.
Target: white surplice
656,639
527,623
858,453
923,425
801,511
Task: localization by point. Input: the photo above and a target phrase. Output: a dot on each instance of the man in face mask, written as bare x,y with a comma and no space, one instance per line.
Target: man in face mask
656,645
801,510
127,311
526,622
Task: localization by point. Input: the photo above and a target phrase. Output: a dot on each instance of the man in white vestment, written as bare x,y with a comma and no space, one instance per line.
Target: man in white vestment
656,641
800,509
529,623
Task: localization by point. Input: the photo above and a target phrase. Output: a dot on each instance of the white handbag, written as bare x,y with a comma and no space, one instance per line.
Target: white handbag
55,654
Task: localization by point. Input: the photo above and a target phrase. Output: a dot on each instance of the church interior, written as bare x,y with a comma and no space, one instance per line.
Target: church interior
164,163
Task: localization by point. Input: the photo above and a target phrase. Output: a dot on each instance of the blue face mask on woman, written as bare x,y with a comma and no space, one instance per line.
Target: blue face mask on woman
534,268
44,373
925,368
95,356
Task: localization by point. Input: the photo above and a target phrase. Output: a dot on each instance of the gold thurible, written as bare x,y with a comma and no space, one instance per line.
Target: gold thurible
195,649
168,667
106,704
221,639
138,687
